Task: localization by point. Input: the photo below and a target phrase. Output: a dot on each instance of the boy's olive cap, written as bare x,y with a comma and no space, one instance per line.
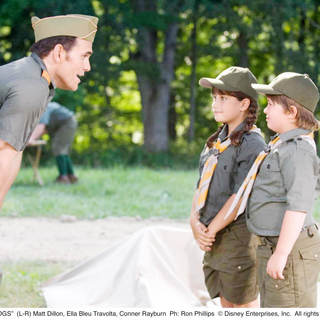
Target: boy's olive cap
233,79
76,25
299,87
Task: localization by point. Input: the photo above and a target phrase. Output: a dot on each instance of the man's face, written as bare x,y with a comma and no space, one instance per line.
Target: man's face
74,65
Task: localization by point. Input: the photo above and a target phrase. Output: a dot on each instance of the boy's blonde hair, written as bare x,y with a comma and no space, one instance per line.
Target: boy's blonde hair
305,119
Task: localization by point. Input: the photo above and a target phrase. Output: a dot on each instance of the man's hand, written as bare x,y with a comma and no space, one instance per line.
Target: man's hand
31,142
276,265
10,160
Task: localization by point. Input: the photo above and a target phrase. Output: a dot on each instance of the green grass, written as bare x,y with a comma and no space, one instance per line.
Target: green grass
21,282
316,212
101,193
135,192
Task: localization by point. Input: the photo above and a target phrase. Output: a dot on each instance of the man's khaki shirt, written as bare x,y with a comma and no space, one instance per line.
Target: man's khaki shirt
24,95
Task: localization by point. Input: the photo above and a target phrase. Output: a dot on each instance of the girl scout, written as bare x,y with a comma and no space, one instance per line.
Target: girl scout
280,206
229,261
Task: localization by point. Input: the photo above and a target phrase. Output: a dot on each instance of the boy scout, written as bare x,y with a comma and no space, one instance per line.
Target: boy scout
280,207
60,55
61,125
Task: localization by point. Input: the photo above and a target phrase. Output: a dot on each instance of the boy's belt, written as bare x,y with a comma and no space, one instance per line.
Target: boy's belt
270,240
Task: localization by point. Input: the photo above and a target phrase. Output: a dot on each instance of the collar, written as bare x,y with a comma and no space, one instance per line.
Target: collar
43,67
291,134
224,132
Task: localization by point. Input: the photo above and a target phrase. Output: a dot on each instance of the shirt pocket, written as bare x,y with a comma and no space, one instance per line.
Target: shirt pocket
270,164
271,174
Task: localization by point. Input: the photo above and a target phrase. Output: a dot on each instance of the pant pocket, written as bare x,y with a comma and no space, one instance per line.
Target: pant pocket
280,293
274,293
311,266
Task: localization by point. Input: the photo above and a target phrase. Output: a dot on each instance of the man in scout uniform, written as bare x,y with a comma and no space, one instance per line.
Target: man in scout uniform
61,125
282,183
60,55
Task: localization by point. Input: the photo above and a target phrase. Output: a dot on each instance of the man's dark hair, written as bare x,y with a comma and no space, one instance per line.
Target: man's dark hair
43,47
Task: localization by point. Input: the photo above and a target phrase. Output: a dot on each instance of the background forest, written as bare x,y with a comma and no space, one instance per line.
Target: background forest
140,106
141,102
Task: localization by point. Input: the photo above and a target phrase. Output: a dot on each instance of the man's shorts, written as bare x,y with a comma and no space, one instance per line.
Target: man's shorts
299,288
230,267
62,137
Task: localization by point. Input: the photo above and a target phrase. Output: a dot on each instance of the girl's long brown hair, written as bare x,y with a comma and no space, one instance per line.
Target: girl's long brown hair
249,121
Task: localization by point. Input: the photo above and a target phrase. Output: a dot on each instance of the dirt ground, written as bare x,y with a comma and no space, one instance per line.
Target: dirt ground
67,239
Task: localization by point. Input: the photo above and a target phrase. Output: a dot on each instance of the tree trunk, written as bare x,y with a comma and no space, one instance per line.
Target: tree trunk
277,21
172,119
193,72
154,79
243,60
315,30
155,117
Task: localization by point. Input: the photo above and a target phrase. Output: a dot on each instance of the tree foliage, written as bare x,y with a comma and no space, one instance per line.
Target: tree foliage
135,94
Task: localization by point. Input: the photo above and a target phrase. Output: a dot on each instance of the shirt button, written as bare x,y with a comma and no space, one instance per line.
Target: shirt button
277,286
316,256
239,267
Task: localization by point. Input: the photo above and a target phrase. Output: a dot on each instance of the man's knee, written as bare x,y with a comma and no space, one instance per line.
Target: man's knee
6,146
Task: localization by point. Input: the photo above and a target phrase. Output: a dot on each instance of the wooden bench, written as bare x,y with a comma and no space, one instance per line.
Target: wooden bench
34,158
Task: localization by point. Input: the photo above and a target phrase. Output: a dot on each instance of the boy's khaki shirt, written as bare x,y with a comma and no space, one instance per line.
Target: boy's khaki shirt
286,181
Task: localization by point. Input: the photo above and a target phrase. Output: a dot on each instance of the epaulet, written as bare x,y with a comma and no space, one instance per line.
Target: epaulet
307,139
46,76
253,132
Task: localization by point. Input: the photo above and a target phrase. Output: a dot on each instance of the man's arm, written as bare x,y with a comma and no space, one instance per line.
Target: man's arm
37,132
291,227
10,161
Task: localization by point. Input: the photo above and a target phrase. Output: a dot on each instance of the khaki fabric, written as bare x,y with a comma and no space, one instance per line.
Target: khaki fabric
233,79
232,168
286,181
296,86
76,25
208,171
230,267
299,288
62,137
246,187
61,125
24,95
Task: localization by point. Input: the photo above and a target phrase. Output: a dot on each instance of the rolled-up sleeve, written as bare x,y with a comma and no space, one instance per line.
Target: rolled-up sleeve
299,169
21,111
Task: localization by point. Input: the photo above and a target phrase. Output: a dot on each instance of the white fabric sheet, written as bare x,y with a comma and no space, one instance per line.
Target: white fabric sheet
155,267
